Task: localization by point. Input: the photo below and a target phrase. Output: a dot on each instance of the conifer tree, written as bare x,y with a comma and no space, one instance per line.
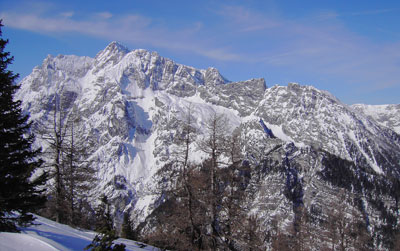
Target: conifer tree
104,242
104,224
127,227
104,221
20,193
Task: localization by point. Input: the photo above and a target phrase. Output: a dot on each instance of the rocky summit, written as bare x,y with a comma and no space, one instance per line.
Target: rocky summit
302,145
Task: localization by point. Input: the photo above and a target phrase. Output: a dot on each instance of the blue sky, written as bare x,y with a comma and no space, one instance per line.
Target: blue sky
349,48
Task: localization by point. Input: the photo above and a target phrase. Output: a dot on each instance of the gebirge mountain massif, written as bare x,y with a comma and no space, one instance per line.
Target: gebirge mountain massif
302,146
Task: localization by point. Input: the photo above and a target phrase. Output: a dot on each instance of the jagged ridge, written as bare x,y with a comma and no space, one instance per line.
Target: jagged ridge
131,102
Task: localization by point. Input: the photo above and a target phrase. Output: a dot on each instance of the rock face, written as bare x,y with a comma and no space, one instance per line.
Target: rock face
130,104
386,115
313,117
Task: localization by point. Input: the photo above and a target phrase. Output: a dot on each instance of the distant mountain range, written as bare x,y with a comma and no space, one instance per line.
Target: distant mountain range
130,104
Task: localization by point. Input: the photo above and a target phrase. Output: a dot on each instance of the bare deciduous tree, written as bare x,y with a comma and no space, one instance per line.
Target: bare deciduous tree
72,177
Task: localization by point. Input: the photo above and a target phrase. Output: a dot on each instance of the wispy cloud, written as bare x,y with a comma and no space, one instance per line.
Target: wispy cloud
64,23
105,15
132,28
324,46
67,14
371,12
246,20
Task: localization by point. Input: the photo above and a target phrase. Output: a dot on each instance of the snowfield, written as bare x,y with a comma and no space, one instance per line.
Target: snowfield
49,235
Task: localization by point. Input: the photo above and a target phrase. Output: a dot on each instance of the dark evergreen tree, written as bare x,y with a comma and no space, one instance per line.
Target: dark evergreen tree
104,220
19,192
127,227
104,224
104,242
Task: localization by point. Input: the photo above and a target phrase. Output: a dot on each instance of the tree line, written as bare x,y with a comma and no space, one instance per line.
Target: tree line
207,205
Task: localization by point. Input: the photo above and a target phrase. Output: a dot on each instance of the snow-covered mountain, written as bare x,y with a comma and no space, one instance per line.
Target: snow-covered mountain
386,115
131,103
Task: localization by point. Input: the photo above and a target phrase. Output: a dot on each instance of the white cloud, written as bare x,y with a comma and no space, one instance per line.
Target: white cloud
371,12
246,20
127,28
105,15
67,14
322,45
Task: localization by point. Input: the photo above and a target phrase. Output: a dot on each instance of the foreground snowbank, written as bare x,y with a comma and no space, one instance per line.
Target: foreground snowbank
50,235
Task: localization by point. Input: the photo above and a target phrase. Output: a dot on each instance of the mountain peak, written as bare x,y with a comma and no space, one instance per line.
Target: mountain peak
214,77
114,52
117,46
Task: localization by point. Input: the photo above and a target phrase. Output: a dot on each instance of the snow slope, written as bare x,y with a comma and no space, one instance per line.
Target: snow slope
49,235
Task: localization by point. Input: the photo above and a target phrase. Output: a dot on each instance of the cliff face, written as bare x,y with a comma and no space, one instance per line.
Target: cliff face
303,144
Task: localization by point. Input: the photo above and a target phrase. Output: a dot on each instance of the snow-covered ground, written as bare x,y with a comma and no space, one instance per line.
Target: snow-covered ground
50,235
